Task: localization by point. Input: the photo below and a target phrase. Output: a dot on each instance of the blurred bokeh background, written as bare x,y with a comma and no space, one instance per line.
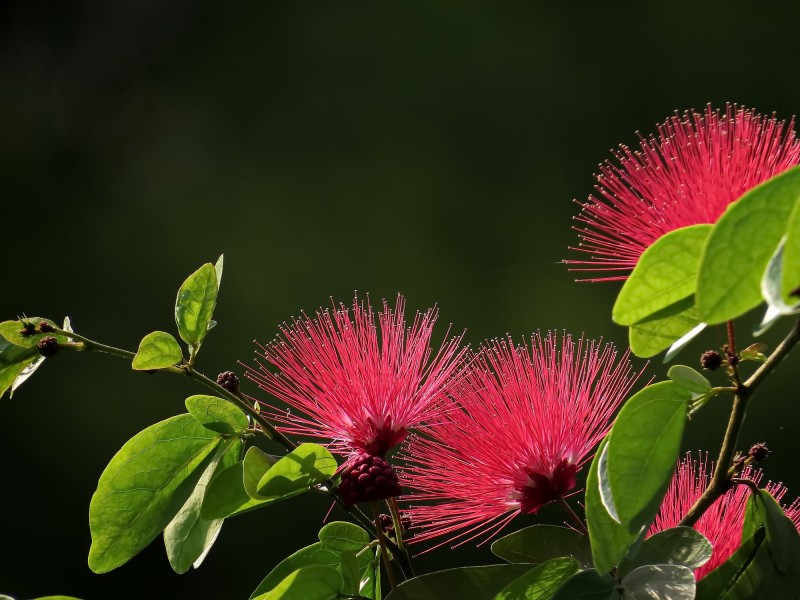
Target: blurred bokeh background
432,149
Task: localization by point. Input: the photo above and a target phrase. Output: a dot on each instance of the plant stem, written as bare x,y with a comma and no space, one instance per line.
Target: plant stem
579,524
723,472
408,570
382,543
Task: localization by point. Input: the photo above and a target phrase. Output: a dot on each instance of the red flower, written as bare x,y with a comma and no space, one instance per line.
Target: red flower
523,423
687,175
346,382
722,522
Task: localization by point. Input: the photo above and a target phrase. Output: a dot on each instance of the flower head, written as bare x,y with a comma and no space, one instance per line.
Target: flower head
524,421
686,175
355,383
722,523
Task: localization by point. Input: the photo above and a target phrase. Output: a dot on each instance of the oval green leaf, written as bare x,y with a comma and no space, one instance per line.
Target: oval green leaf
665,274
216,414
782,535
588,585
660,330
195,304
315,582
539,543
672,582
144,486
541,582
306,465
610,540
233,491
13,362
643,448
315,554
157,350
740,246
790,279
689,379
465,583
189,537
682,546
343,536
351,573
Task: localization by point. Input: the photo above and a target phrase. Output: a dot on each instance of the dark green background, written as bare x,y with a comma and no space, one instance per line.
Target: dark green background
427,148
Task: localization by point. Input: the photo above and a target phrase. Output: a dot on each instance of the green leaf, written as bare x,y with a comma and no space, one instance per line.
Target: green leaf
351,573
681,546
216,414
195,304
157,350
660,330
541,582
233,491
218,269
12,368
689,379
790,280
465,583
47,598
643,448
315,554
539,543
144,486
610,540
342,536
306,465
740,246
189,537
12,331
588,585
671,582
782,535
665,274
777,306
315,582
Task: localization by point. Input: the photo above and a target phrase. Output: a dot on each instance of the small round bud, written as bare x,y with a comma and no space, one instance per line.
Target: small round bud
733,359
711,360
28,329
795,292
229,381
48,346
366,478
758,452
45,327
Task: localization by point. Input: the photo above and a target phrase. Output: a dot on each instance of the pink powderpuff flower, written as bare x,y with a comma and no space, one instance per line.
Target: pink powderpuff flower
524,421
722,523
359,385
687,175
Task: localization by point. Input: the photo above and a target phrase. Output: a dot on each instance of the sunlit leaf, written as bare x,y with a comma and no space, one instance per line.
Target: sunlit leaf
157,350
682,546
665,273
740,246
539,543
306,465
342,536
315,582
689,379
195,304
669,582
189,537
661,330
541,582
465,583
216,414
144,486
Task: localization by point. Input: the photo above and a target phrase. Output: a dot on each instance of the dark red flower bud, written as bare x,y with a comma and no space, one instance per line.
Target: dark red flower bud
711,360
45,327
229,381
28,329
366,478
48,346
758,452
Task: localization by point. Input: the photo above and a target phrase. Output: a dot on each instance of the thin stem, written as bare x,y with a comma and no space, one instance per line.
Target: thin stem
398,533
731,338
579,524
732,357
382,542
723,473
